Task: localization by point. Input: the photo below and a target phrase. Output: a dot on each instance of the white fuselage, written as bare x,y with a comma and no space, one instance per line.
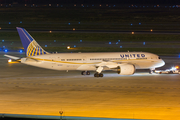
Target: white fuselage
88,61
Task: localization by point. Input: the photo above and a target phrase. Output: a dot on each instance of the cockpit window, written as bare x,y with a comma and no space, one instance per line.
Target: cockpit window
159,58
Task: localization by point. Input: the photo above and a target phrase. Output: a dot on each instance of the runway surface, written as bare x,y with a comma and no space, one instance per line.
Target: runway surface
30,90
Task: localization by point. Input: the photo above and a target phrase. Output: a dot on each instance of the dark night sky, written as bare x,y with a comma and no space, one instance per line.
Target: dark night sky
170,2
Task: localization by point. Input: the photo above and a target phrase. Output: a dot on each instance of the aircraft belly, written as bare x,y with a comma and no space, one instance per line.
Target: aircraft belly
54,66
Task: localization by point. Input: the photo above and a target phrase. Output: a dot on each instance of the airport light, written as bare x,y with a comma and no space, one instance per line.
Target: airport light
54,40
20,51
151,30
45,45
120,46
173,68
177,67
109,43
74,45
2,40
50,31
0,28
79,22
74,5
10,60
69,23
74,29
9,23
5,50
119,40
100,5
139,23
132,33
144,43
131,24
68,47
80,40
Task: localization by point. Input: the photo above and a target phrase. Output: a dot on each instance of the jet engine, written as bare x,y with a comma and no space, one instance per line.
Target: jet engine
126,69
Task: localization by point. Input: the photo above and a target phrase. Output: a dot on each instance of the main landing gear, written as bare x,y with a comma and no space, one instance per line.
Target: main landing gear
98,74
85,73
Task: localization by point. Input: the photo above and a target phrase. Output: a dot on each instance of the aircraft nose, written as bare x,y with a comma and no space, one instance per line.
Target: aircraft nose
162,63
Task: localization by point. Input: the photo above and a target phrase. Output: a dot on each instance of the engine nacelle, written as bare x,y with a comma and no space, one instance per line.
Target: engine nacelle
126,69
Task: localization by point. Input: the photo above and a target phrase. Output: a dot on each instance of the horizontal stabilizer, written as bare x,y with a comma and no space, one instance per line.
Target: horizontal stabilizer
12,57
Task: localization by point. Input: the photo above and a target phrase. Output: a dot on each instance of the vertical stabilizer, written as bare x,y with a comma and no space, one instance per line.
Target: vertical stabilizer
31,47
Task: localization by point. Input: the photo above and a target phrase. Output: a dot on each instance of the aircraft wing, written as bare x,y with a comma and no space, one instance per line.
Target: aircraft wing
108,64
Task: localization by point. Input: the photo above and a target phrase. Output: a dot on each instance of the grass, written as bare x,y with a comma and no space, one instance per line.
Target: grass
93,37
162,19
115,19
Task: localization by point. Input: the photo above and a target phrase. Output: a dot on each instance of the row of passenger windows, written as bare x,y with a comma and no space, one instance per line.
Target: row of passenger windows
74,59
108,58
95,59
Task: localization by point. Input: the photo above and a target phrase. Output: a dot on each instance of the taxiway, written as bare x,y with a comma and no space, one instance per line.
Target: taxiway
30,90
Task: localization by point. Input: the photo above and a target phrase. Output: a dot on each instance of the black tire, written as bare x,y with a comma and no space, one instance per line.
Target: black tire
83,73
100,75
96,75
88,73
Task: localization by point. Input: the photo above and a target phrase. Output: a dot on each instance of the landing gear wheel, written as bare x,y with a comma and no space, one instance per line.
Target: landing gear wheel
98,75
83,73
88,73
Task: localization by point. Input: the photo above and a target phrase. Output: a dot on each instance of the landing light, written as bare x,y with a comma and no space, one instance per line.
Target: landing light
9,60
175,68
68,47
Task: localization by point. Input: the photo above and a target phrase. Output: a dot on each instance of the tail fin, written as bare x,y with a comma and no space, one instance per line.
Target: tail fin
31,47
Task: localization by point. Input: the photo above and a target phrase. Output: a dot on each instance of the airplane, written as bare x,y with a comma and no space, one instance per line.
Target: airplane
124,63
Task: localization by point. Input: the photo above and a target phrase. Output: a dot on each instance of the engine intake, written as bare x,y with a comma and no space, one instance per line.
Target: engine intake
126,69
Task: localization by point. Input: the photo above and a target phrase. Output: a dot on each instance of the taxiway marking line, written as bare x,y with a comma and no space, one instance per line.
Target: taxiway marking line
90,86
